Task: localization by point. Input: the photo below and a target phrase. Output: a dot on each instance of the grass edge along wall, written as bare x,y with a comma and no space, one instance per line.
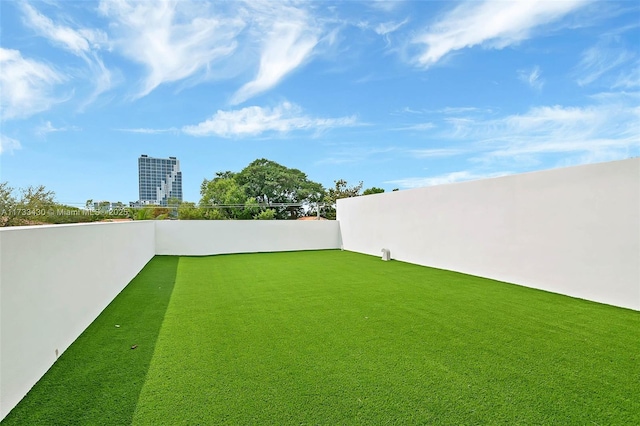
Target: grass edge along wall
339,337
573,231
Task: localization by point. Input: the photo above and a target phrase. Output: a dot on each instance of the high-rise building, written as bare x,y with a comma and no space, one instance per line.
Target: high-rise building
159,179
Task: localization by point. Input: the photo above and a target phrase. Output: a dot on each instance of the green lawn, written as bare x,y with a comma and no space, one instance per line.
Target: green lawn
334,337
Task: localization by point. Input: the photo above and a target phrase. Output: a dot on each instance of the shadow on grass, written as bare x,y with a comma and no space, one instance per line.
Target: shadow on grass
98,379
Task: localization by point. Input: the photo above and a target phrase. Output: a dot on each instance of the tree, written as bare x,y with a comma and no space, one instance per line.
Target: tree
189,211
268,214
8,206
144,213
214,214
269,183
174,204
340,190
103,206
37,197
225,192
35,205
373,190
89,204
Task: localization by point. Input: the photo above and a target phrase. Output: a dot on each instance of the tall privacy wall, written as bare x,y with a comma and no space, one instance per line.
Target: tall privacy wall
196,238
54,281
574,231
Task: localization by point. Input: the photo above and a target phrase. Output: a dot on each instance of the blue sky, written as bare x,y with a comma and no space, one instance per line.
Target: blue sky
397,94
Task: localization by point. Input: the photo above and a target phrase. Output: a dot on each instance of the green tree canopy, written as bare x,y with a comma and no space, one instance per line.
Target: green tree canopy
267,214
34,205
373,190
340,190
225,192
189,211
268,182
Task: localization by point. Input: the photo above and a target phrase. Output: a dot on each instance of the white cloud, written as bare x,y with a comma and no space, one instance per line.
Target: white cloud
385,28
458,110
598,60
82,42
290,35
356,154
147,131
435,152
418,182
418,127
385,5
532,77
8,145
47,128
489,23
26,85
79,42
628,79
609,129
174,40
255,120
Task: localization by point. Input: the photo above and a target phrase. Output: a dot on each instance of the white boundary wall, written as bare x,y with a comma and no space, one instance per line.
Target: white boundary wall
197,237
54,281
574,231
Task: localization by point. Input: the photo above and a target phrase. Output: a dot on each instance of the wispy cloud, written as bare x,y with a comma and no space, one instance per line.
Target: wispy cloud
194,41
628,79
385,28
445,110
47,128
78,42
26,85
385,5
490,23
418,127
435,152
255,120
290,35
608,128
600,59
82,42
148,131
453,177
356,154
611,126
174,40
532,78
8,145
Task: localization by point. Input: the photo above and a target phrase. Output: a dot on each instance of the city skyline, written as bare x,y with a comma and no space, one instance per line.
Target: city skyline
396,94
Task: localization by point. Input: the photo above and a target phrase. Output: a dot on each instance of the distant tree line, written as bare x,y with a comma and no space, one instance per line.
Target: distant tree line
264,190
267,190
35,205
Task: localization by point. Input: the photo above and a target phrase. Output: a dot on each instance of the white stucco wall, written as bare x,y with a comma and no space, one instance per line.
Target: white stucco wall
197,237
574,231
54,281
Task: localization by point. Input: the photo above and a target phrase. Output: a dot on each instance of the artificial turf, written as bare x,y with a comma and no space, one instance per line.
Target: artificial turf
97,380
334,337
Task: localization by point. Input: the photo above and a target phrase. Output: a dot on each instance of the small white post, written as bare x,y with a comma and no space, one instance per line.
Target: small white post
386,254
